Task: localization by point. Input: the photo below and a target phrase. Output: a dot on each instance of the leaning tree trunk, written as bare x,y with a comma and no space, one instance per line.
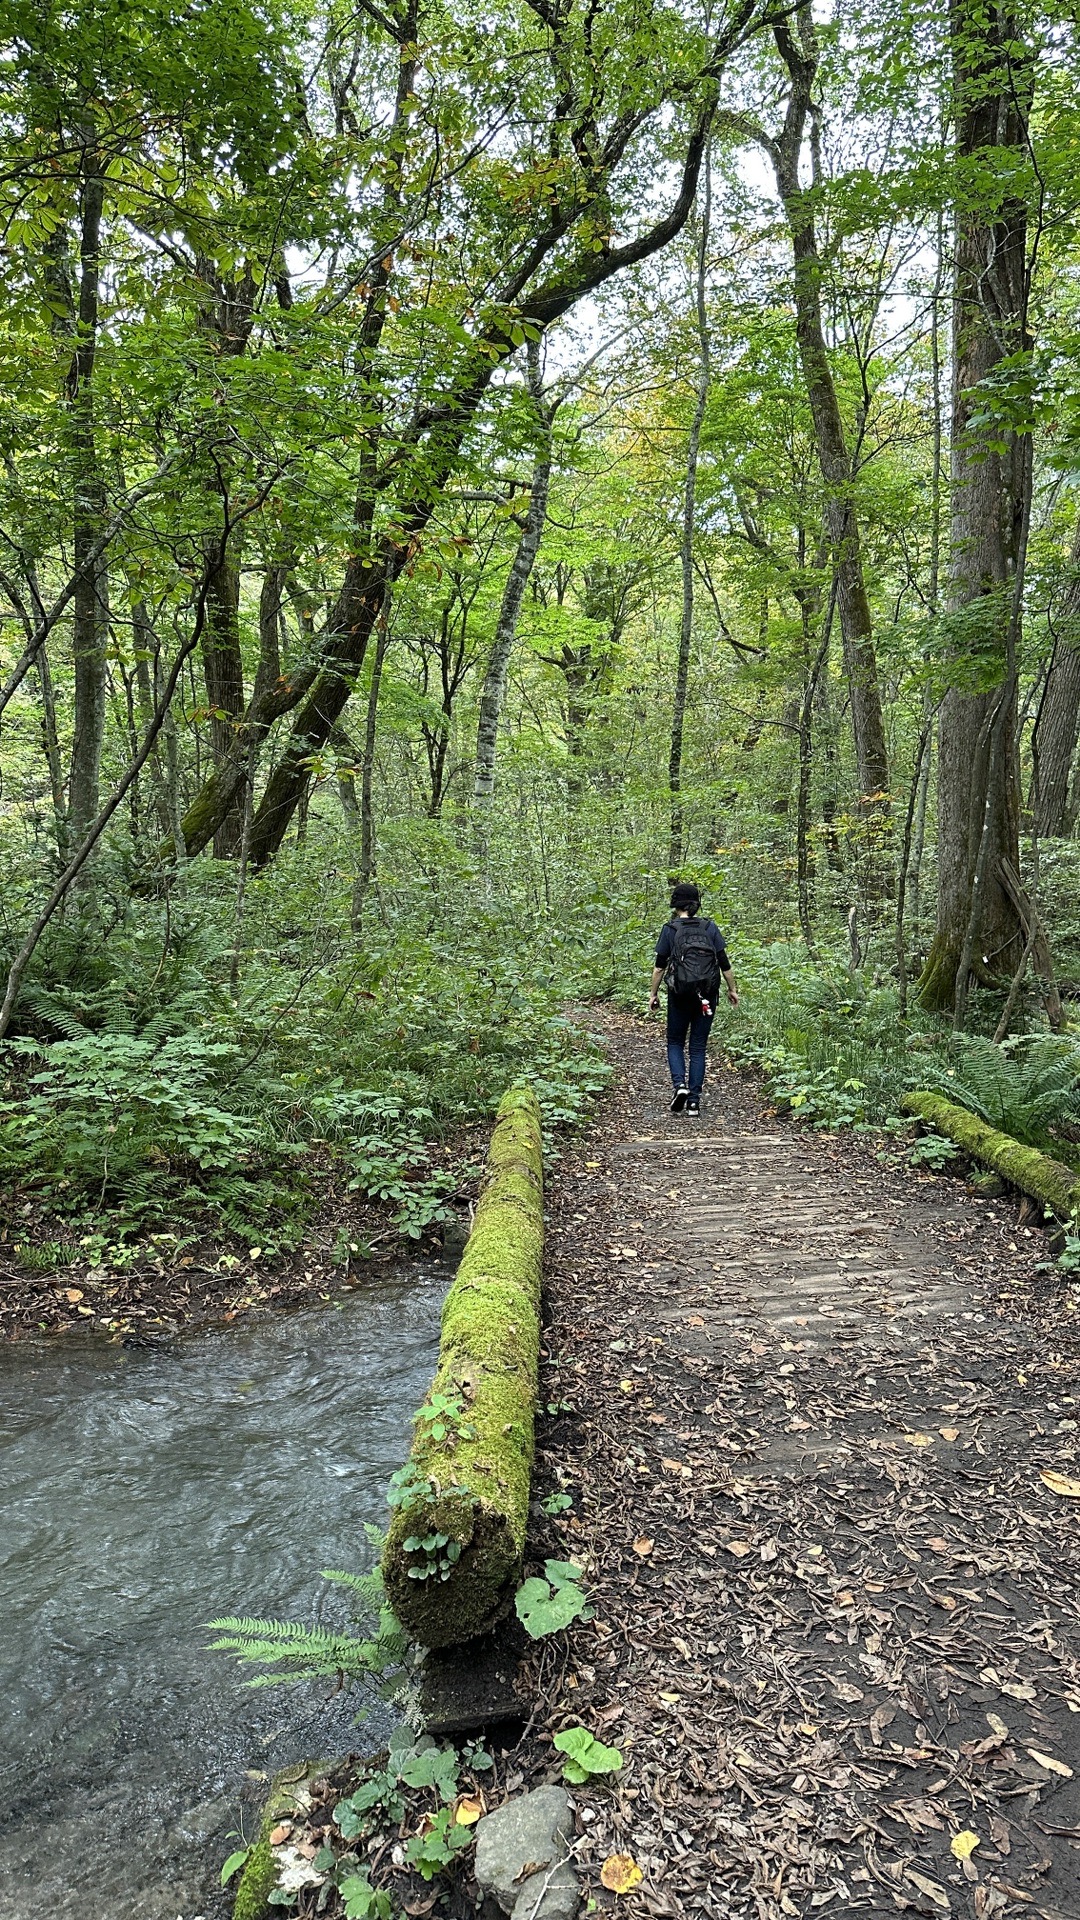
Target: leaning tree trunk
686,624
494,693
1057,728
977,929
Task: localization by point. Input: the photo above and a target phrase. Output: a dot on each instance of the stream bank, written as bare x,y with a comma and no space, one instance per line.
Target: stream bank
147,1490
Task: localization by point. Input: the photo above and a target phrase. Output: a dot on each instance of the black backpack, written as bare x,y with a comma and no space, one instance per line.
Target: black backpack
694,966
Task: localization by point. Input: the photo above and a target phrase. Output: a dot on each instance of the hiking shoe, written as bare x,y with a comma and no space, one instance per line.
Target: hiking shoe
678,1100
693,1104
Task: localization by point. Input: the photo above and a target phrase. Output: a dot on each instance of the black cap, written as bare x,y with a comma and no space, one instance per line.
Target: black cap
685,897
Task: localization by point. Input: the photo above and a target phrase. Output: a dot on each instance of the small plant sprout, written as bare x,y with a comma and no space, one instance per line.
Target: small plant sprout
586,1757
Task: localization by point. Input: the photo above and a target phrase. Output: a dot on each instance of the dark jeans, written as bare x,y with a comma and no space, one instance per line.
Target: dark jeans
684,1014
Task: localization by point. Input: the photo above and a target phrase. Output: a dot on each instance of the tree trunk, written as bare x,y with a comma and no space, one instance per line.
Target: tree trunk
90,606
856,627
977,927
682,670
1057,728
223,677
494,693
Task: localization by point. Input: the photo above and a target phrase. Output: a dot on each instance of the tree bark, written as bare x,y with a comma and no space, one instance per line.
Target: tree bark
494,693
686,622
856,626
1057,728
90,607
977,926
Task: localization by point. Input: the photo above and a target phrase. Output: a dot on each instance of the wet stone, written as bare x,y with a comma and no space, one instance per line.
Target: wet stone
522,1857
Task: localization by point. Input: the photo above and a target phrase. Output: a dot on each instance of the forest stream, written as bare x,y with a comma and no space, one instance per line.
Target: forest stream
148,1490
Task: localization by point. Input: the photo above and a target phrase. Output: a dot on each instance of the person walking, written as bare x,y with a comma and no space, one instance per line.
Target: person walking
691,959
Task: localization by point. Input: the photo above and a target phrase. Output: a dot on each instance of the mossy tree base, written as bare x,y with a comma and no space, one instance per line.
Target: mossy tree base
1035,1173
479,1473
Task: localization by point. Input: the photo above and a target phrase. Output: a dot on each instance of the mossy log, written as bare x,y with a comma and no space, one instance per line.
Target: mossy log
473,1483
1050,1181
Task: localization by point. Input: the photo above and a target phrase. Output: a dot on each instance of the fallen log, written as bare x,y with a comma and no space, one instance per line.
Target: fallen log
452,1559
1035,1173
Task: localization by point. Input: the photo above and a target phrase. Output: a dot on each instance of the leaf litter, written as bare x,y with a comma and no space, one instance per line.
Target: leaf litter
846,1672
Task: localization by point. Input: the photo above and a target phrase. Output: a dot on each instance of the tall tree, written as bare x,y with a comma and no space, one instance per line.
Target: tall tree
1057,727
977,927
528,546
686,617
800,53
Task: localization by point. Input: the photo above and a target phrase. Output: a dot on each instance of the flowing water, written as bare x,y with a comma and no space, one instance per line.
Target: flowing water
142,1493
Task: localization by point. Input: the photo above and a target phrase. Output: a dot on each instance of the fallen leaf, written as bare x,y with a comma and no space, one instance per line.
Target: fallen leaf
930,1887
468,1810
695,1320
620,1873
1018,1689
1060,1483
945,1600
737,1547
73,1294
918,1439
643,1546
626,1386
1052,1766
949,1433
938,1546
769,1550
963,1845
997,1725
279,1834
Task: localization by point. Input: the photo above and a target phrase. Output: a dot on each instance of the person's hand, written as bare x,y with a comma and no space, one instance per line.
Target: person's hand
733,995
654,1002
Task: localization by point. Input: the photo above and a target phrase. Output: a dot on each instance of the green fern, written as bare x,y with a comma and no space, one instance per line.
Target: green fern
304,1652
1029,1087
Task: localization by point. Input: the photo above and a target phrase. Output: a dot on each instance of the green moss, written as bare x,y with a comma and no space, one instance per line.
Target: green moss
259,1876
488,1359
1050,1181
257,1883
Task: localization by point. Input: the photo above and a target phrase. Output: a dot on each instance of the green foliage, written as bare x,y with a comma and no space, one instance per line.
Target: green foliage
298,1652
234,1863
1028,1087
362,1901
546,1606
586,1757
438,1845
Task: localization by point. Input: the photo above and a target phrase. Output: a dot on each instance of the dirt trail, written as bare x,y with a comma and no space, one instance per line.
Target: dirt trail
836,1629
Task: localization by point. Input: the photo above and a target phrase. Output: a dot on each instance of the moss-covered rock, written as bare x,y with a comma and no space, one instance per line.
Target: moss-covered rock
1050,1181
259,1876
477,1474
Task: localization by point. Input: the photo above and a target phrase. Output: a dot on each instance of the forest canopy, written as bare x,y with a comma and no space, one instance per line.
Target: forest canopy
465,468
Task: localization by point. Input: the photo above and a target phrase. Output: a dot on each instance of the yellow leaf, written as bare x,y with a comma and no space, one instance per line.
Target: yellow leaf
949,1433
963,1845
643,1546
73,1294
626,1386
592,1164
1060,1483
468,1810
1052,1766
620,1873
918,1439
